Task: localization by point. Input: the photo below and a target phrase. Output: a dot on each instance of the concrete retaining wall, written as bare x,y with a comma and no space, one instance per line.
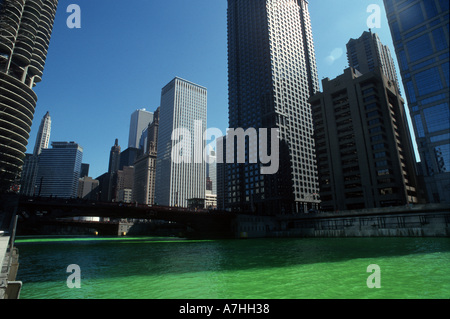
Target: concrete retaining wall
426,223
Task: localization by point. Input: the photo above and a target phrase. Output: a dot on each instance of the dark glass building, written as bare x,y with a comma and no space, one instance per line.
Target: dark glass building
59,170
420,33
272,73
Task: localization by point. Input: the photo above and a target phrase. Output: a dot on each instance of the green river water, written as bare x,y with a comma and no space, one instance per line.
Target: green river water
172,268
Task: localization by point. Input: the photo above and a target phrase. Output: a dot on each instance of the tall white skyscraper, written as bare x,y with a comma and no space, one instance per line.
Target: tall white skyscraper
182,110
140,119
43,136
31,161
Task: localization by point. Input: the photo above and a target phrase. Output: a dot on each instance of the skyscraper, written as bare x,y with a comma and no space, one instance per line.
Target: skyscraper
59,170
211,170
124,186
145,166
180,166
364,149
114,157
88,188
43,136
109,182
31,161
272,73
367,53
28,175
420,33
25,31
140,119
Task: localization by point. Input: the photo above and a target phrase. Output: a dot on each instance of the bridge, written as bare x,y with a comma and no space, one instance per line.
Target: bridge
202,222
417,220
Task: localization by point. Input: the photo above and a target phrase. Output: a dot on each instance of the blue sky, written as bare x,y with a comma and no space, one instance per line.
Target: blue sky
126,51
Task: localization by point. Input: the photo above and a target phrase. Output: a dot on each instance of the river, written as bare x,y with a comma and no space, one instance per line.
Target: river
173,268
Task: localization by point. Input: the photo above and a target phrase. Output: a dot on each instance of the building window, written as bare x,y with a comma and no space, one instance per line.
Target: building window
442,154
383,172
411,17
419,48
419,126
437,117
428,81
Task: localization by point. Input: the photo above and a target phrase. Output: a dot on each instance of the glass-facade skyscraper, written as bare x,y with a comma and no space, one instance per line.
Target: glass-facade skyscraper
59,170
140,119
420,33
272,73
180,164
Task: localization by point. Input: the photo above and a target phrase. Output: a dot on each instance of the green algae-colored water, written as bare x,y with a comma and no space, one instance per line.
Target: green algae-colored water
173,268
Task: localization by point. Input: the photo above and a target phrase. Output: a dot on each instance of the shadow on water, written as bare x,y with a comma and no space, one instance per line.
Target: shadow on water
115,257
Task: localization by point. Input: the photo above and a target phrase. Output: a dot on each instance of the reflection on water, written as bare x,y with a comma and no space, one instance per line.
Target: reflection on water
259,268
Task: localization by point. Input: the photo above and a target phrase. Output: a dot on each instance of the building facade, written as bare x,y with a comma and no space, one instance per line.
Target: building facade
144,179
420,33
59,170
31,161
88,188
140,119
28,175
180,167
363,143
145,166
43,135
124,186
272,73
114,157
25,32
367,53
211,171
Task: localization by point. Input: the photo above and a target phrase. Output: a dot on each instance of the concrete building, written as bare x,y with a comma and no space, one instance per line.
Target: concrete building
363,145
88,188
140,119
125,195
420,35
31,161
272,73
180,167
210,200
145,166
114,157
124,186
26,28
211,171
43,135
367,53
144,179
59,170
